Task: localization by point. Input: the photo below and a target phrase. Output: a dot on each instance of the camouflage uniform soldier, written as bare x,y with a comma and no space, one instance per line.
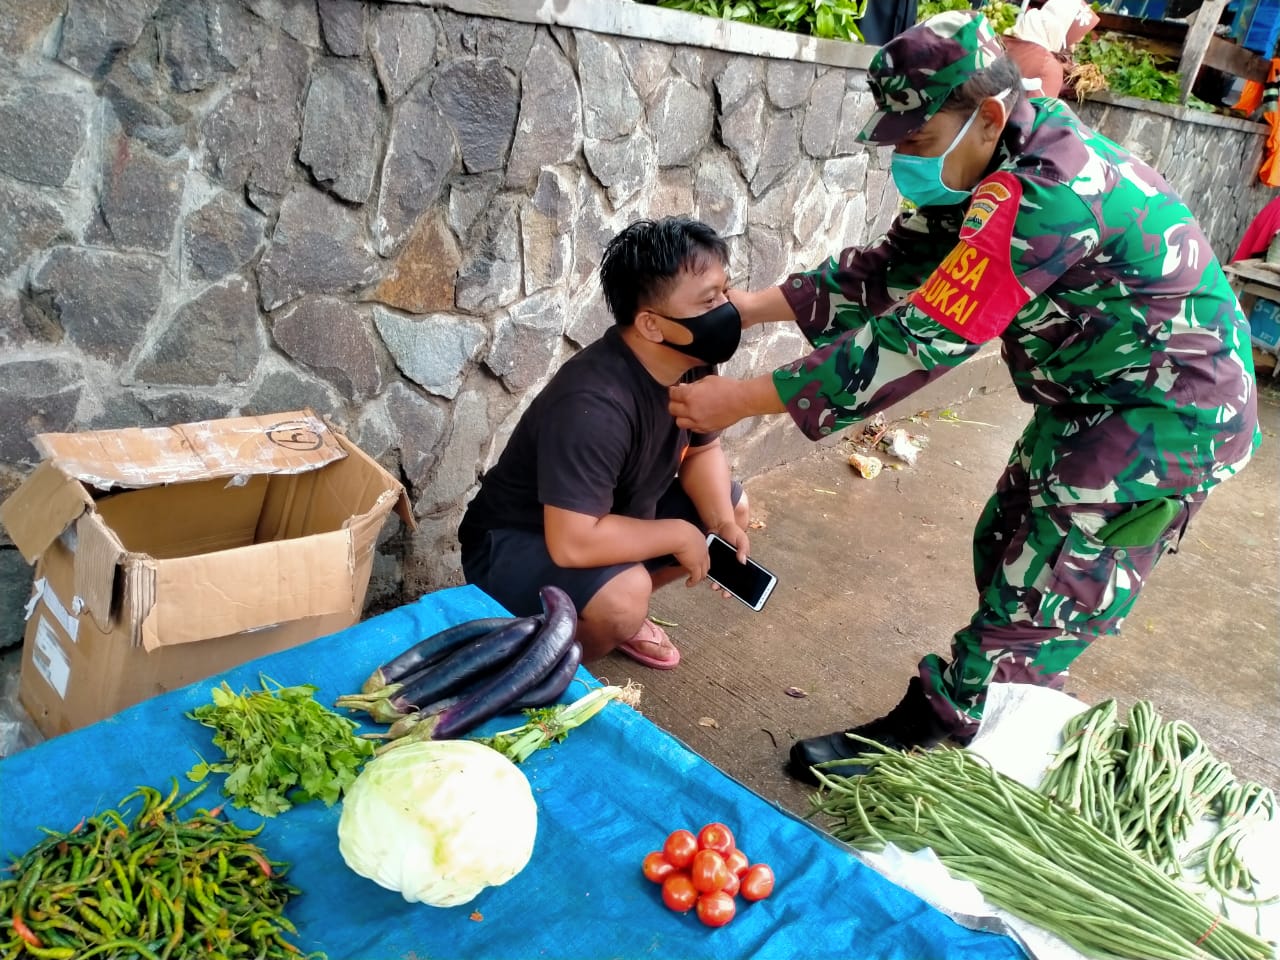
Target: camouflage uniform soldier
1115,320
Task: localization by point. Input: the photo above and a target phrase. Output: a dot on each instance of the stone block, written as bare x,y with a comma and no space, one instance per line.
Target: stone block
94,32
425,272
168,407
741,76
610,105
418,425
769,253
525,341
203,42
342,23
140,199
468,198
778,154
647,63
212,339
491,266
284,390
672,194
333,338
36,396
41,134
546,232
740,130
508,41
252,134
420,156
298,18
681,120
479,99
13,330
404,47
855,110
622,166
549,130
27,22
28,223
16,578
433,351
159,122
592,230
720,195
318,247
221,237
103,301
822,117
788,83
459,461
589,315
340,124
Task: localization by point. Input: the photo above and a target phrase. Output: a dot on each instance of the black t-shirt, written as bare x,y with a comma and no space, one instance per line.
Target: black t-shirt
598,439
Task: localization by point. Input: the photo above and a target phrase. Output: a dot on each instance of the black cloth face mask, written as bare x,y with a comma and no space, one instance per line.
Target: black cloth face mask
716,334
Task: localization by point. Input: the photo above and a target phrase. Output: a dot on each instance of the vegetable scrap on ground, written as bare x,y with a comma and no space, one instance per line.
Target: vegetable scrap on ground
156,885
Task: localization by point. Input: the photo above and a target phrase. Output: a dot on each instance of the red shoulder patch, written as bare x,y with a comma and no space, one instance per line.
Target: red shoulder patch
974,291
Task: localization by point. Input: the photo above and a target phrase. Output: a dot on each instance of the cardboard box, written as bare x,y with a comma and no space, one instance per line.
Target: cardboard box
169,554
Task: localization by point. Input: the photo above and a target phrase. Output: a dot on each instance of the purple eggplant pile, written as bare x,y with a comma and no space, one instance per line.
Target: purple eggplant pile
448,684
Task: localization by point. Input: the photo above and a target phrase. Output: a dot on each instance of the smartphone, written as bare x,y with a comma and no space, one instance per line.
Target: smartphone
749,582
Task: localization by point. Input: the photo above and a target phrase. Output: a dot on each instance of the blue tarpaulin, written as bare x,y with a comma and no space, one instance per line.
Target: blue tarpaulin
607,795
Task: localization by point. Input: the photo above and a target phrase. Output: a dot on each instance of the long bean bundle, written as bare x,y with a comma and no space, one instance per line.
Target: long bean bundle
1147,783
1029,855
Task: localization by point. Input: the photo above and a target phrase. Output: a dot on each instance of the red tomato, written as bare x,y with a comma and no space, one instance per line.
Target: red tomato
708,872
716,909
737,862
717,837
656,867
757,882
732,885
678,892
679,849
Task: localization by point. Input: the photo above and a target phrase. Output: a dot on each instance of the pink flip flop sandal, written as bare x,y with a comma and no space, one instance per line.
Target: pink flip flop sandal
652,633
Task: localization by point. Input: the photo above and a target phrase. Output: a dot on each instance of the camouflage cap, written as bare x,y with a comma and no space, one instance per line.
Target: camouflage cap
911,75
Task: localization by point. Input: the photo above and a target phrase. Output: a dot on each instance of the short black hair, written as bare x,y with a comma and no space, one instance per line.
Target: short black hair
641,263
990,82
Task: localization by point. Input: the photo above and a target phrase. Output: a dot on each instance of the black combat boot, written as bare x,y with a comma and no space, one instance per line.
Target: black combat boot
912,723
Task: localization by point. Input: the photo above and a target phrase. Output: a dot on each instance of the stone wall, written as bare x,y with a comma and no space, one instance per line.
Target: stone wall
392,213
1210,160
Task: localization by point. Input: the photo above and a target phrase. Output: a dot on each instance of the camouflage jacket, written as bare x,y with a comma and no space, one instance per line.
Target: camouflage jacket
1115,318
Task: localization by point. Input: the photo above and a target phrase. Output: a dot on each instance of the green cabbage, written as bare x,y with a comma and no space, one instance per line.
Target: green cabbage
438,821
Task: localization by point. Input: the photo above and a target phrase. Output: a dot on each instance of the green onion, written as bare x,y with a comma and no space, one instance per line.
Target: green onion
547,725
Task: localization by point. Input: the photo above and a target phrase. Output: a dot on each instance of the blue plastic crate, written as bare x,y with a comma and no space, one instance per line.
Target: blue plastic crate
1264,28
1264,323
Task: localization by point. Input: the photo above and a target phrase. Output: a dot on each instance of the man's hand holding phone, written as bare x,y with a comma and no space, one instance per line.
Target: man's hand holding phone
735,574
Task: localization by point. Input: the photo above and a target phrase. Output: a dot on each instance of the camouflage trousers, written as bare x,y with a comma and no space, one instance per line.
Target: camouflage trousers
1047,587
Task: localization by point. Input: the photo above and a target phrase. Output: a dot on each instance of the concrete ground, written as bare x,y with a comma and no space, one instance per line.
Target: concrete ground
875,573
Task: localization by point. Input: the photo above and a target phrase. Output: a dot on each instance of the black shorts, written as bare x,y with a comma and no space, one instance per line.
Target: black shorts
512,565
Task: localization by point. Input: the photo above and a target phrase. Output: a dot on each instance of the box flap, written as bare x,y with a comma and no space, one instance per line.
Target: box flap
231,591
402,507
145,457
98,556
37,512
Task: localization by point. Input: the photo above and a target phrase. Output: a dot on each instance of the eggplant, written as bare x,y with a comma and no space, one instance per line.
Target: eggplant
495,649
553,684
525,673
427,651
